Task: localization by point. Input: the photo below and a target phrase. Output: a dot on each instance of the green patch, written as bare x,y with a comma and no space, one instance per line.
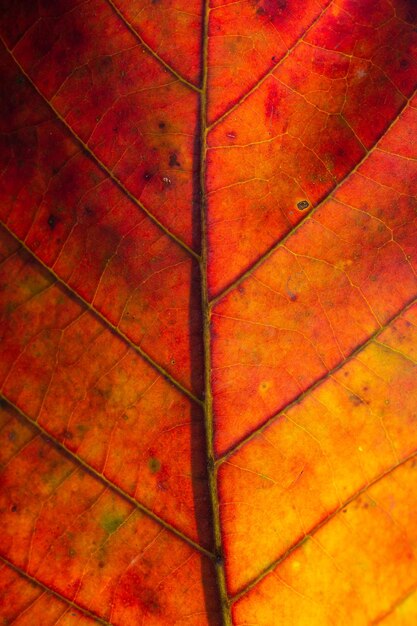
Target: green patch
111,522
154,465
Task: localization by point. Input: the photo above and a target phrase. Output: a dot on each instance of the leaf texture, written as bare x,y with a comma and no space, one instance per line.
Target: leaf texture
208,270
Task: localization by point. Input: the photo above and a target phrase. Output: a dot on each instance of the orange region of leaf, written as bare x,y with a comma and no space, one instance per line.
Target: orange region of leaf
96,240
372,538
114,560
65,367
23,602
320,294
351,428
208,312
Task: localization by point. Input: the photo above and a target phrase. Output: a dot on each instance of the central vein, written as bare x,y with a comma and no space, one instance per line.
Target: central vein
206,313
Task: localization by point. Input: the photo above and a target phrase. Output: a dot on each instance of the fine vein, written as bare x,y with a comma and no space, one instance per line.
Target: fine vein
320,525
99,476
317,383
105,321
100,164
152,52
283,240
270,71
52,592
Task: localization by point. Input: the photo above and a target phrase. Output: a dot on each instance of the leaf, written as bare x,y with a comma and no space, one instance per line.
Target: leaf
209,312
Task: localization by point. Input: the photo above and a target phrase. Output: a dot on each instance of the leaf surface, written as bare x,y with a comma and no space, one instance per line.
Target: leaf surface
209,308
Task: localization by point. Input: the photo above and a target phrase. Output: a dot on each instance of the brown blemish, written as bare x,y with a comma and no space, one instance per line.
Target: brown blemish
303,205
271,9
173,160
356,400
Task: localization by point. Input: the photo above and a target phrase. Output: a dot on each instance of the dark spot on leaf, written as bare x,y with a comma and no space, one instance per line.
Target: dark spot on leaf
52,221
161,124
147,176
67,434
272,9
219,557
404,63
104,63
12,436
303,205
13,508
173,160
101,564
150,601
356,400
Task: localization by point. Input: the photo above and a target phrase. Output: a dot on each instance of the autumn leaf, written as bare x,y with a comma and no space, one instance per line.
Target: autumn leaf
208,313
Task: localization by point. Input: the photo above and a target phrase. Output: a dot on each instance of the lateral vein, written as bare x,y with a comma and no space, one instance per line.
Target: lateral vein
152,52
105,321
100,164
100,477
53,592
319,526
216,299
